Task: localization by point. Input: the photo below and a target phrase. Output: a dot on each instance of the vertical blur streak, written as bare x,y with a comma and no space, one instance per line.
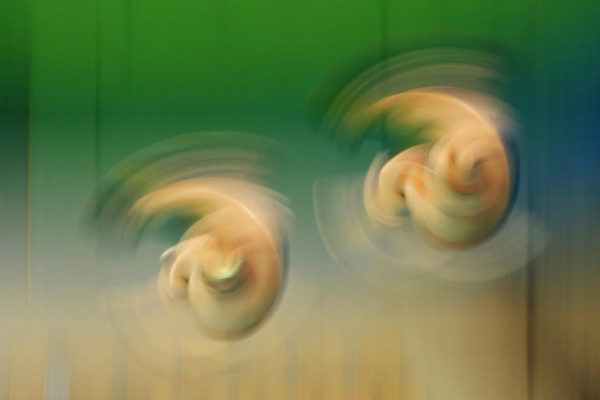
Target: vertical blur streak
159,70
529,125
14,127
28,360
566,326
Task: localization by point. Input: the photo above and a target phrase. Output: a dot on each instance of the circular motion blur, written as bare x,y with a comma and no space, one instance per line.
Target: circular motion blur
228,263
441,200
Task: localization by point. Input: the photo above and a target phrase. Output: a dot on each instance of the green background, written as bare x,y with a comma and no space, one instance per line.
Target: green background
86,83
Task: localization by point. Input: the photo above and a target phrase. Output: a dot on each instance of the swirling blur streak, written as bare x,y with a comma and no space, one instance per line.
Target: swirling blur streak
229,262
450,171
